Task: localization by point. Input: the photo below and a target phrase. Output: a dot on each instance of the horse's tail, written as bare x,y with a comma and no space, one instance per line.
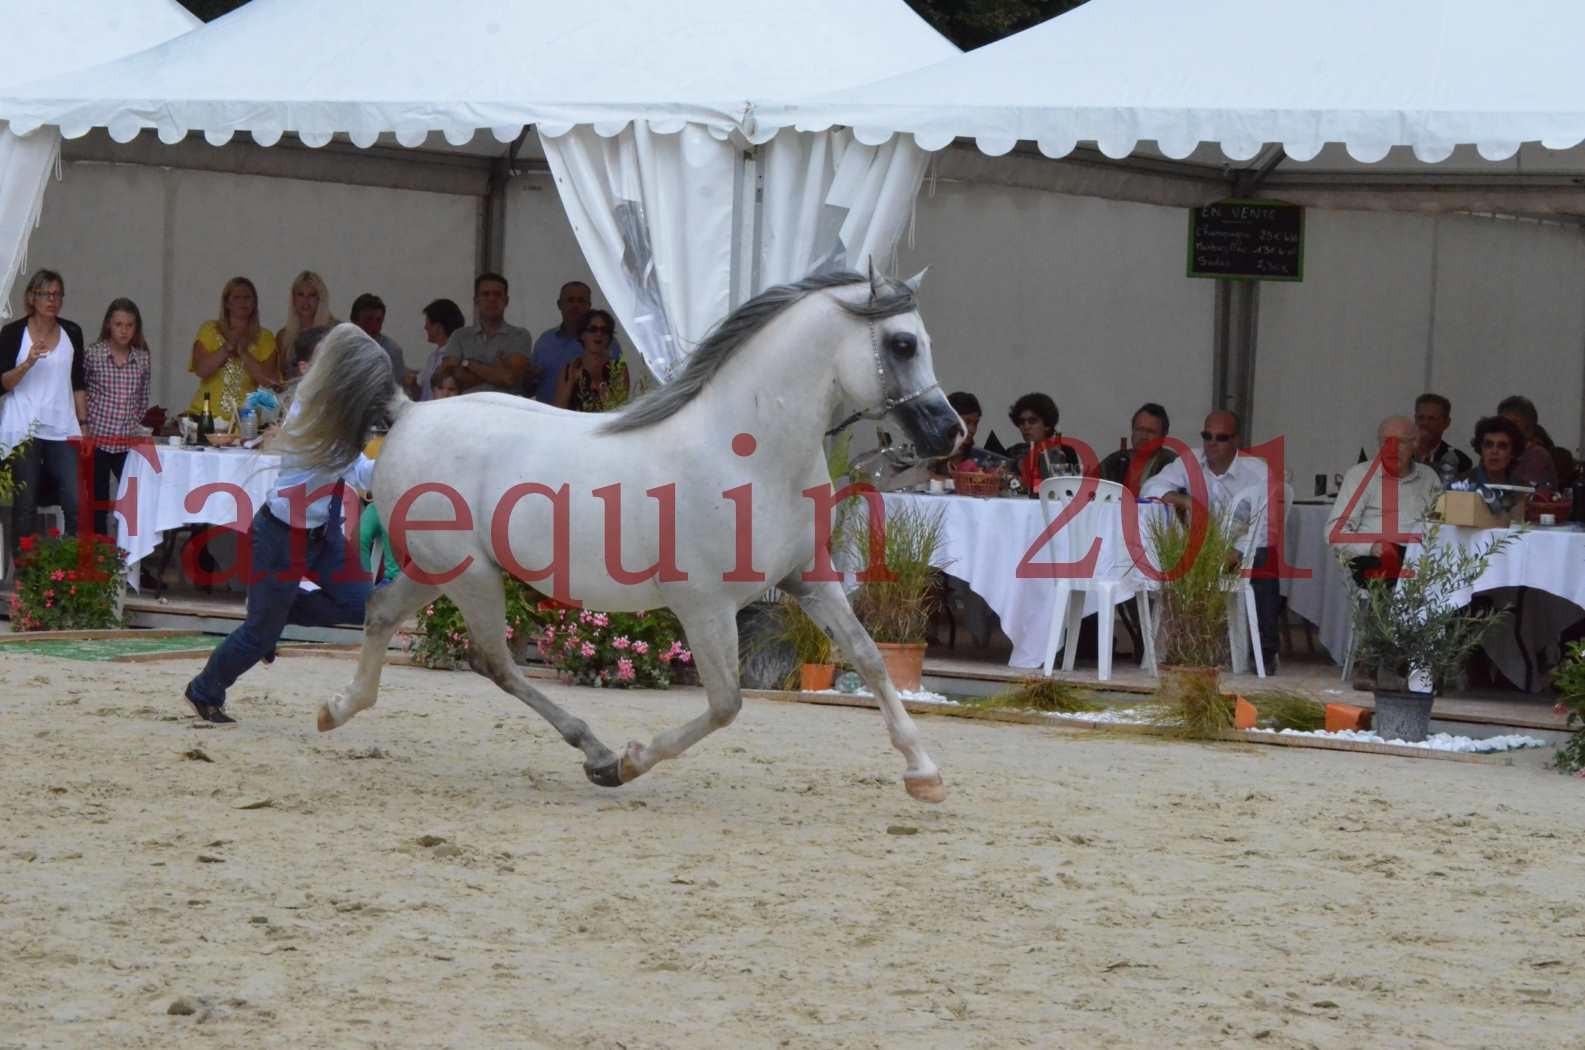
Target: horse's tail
348,392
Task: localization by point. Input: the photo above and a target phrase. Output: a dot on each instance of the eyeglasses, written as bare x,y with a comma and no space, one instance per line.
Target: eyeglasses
597,329
1496,446
50,297
1028,421
1220,439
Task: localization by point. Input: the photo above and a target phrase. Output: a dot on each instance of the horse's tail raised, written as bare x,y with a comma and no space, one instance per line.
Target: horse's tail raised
348,392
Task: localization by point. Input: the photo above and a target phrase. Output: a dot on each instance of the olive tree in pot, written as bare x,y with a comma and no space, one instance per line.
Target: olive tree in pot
1197,558
897,608
1417,631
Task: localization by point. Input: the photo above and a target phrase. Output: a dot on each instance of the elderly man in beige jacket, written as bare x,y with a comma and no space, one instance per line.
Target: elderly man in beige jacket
1362,501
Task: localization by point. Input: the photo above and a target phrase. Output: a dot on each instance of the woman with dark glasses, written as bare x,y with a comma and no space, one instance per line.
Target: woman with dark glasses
593,381
1498,445
1041,454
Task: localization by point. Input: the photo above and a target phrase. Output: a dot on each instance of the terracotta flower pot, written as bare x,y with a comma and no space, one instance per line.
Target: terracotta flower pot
816,678
905,663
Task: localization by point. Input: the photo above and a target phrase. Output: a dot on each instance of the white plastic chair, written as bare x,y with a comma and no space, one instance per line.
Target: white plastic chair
1243,623
1071,543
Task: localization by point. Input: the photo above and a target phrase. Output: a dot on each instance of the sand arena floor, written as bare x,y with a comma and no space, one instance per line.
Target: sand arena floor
439,873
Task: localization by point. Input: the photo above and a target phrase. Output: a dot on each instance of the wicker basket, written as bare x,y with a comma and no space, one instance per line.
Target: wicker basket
982,485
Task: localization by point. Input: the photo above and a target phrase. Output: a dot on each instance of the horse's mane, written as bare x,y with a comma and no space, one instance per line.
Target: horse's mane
726,338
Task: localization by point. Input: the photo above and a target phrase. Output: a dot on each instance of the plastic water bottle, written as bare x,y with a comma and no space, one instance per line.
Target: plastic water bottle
248,423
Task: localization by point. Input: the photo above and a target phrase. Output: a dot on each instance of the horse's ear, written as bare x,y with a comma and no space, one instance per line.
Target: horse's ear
875,281
916,280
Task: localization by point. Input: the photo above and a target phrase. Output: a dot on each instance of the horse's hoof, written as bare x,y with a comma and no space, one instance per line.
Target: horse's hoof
325,723
926,789
606,775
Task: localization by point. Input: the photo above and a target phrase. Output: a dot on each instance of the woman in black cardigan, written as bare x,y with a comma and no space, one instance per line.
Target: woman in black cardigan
43,392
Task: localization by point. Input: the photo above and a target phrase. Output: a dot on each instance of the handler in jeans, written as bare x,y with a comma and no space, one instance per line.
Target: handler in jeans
274,598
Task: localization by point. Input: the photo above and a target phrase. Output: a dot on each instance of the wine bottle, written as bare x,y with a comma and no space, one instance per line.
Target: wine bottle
206,422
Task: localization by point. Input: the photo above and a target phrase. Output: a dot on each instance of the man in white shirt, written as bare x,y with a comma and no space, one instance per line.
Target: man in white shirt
1362,501
1236,486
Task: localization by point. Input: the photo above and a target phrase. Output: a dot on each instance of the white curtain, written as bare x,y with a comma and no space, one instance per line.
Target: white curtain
832,203
27,163
653,215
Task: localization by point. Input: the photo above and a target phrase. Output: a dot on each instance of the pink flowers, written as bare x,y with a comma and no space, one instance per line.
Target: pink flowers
620,643
58,575
587,649
641,647
624,670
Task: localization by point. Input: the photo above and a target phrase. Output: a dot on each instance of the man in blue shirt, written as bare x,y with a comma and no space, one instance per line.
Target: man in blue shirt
557,346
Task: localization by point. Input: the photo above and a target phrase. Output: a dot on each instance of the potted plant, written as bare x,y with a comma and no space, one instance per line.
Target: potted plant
1569,678
1196,556
811,647
66,583
896,611
1416,632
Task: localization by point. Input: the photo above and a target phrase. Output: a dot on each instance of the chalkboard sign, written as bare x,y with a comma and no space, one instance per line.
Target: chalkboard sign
1252,240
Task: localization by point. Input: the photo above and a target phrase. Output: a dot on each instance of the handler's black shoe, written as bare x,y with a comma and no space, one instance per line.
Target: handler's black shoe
211,714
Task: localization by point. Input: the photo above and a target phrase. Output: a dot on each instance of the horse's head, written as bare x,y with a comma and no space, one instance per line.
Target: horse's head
886,368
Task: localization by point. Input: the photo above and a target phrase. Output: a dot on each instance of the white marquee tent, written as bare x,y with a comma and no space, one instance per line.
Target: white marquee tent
1427,74
62,39
640,106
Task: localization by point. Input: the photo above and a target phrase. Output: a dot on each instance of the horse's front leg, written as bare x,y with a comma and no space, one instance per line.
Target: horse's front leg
828,606
387,608
712,637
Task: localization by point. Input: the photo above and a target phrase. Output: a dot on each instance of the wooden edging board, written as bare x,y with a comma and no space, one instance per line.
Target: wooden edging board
1035,718
93,636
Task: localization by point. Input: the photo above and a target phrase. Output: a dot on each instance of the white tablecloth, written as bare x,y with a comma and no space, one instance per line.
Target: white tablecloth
1550,563
985,541
1325,598
162,495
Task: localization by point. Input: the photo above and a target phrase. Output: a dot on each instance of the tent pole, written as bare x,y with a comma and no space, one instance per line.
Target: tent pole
492,228
746,206
1220,343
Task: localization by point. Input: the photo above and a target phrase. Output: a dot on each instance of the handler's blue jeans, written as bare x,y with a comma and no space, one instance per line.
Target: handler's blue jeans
274,599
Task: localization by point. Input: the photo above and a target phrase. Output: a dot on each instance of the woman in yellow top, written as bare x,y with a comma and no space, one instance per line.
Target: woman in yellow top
233,356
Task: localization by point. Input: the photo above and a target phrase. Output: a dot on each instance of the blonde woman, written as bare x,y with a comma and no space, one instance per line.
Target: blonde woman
309,308
233,356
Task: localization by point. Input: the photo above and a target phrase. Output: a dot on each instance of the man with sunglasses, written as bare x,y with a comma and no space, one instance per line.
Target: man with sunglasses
560,346
1237,487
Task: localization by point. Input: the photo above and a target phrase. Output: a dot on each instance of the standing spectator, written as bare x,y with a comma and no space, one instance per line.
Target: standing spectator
1534,466
1149,426
1433,413
117,369
441,318
233,356
593,382
43,392
491,354
368,313
560,345
309,308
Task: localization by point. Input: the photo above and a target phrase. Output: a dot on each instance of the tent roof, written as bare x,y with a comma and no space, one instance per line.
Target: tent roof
364,67
49,38
1428,74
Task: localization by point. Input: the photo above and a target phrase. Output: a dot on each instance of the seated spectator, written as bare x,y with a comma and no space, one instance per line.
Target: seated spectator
559,346
1500,443
491,354
1533,463
1149,426
1432,415
1361,504
593,382
967,455
441,318
368,313
1041,454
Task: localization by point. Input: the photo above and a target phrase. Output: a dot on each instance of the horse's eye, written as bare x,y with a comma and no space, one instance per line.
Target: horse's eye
903,345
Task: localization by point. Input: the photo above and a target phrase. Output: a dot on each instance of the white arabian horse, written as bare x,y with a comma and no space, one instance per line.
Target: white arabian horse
731,445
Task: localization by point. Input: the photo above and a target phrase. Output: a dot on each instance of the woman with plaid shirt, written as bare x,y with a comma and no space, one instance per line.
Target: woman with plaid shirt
118,370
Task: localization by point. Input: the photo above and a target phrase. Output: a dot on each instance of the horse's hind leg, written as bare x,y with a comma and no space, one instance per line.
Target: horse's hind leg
481,597
712,637
828,606
387,608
